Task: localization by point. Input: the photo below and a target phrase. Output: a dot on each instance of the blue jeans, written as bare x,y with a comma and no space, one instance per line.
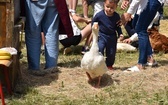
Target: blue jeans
142,24
41,16
108,44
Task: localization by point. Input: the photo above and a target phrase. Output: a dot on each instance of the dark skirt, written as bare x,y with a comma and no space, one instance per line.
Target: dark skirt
75,40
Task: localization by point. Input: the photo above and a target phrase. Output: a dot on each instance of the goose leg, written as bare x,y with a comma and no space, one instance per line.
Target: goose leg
88,75
98,84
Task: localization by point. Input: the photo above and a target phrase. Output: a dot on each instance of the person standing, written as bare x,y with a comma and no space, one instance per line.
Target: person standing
147,11
108,26
41,16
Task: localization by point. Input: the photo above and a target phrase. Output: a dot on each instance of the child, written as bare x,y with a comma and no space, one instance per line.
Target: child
108,22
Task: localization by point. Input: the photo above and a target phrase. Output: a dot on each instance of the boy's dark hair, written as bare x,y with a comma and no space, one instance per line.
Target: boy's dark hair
115,1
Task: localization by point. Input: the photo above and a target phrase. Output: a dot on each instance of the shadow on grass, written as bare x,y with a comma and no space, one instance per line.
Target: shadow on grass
163,62
106,80
71,59
28,82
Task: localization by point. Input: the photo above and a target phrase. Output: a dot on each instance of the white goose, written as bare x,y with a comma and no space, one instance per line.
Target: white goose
125,47
93,61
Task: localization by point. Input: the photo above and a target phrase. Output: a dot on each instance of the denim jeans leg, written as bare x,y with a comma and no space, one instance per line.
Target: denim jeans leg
143,22
32,39
50,24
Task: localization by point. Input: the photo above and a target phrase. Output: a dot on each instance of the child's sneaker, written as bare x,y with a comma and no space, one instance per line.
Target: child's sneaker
110,67
84,50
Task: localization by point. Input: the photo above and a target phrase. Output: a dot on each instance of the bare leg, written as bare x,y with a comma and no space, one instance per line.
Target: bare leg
42,38
72,6
89,40
85,8
43,43
86,32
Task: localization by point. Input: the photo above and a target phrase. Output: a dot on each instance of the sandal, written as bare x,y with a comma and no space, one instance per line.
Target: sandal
151,62
132,69
154,64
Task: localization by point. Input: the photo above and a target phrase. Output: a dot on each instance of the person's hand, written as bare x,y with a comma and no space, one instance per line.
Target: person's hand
125,18
88,20
125,4
128,40
119,23
121,38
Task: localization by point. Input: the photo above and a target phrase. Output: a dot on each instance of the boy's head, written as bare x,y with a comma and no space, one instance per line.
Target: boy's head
110,6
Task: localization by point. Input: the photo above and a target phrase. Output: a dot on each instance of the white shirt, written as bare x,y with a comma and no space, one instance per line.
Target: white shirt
139,5
75,28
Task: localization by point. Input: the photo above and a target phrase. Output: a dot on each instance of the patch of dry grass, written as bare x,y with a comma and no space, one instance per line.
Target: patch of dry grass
70,86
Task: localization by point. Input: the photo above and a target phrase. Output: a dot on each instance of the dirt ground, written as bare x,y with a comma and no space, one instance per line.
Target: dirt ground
72,81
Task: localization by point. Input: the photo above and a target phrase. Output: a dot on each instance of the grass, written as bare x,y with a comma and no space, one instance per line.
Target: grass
70,86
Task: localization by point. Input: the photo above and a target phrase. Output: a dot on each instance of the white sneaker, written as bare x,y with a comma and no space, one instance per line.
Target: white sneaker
154,64
132,69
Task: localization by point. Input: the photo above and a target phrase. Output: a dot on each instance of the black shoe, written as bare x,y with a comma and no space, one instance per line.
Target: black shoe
51,70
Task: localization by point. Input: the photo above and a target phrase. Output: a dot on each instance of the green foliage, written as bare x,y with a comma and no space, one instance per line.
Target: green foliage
165,12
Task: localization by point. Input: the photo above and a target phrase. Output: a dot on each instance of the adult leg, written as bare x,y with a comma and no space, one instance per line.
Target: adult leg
43,43
85,8
72,6
143,22
86,31
33,32
50,24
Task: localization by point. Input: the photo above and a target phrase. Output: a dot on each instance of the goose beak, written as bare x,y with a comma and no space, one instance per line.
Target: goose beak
95,25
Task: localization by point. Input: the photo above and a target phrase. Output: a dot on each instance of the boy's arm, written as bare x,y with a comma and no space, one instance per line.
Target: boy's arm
119,31
120,34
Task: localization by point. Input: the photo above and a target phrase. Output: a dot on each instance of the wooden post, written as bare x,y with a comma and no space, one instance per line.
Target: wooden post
9,33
